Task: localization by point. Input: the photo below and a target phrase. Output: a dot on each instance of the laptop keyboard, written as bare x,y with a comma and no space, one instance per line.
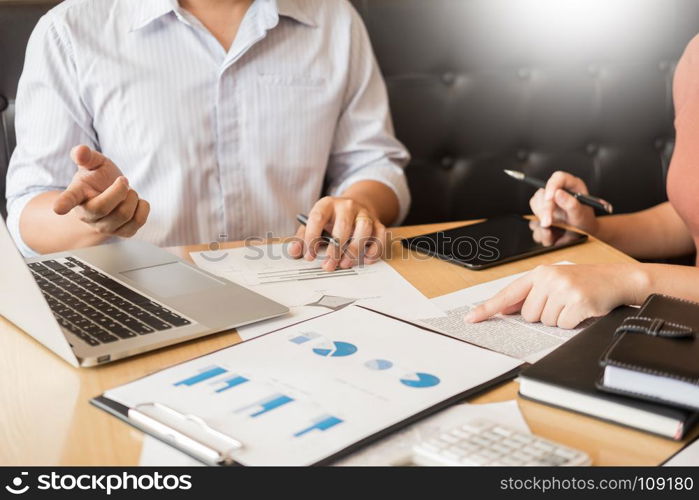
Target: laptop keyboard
96,308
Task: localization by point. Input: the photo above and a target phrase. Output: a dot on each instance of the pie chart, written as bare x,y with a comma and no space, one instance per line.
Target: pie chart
378,364
335,349
420,380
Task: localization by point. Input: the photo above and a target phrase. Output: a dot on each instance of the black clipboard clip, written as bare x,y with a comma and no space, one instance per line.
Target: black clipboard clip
190,433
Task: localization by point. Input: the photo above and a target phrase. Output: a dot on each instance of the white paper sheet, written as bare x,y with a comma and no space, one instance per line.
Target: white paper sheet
309,291
688,457
510,335
302,394
395,449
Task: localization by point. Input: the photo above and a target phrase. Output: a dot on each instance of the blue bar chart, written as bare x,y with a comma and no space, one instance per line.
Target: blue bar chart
203,375
231,382
265,405
304,337
320,424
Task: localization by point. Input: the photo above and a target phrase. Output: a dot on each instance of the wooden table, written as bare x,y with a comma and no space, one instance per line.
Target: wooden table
45,417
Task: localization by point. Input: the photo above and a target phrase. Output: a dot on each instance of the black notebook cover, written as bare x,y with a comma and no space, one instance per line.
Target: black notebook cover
575,366
676,358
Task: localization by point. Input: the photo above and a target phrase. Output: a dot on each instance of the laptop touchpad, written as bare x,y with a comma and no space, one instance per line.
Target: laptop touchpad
171,280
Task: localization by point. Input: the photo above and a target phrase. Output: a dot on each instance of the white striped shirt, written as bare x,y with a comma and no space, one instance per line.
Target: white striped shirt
233,143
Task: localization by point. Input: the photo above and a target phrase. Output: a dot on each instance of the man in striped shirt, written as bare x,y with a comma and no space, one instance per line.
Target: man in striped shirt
176,122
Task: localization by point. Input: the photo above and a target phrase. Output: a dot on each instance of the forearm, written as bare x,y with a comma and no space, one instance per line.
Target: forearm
377,197
677,281
657,232
45,232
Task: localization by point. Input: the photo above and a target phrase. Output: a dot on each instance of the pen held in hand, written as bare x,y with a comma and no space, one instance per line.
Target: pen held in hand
585,199
326,236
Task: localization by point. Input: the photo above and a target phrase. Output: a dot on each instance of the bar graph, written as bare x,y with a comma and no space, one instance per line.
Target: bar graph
231,382
265,405
203,375
320,424
309,273
304,337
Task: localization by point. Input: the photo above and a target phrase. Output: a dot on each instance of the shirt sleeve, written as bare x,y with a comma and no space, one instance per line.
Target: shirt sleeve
365,147
50,119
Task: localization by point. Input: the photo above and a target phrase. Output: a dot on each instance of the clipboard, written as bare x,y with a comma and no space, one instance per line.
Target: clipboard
195,436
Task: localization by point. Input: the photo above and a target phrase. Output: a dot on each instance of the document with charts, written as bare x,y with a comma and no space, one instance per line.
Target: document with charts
510,335
300,395
309,291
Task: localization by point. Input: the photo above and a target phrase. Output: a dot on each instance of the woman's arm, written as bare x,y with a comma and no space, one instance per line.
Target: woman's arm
657,232
566,295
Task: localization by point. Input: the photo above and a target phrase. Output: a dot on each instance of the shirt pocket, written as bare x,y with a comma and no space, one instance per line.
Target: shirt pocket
286,80
291,120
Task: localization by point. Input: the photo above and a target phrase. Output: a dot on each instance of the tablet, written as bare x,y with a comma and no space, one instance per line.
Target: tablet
494,241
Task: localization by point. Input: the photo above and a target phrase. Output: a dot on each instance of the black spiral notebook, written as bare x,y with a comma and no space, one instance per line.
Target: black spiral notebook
567,378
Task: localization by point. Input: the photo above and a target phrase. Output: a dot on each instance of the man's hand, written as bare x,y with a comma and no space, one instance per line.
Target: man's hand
554,204
100,196
361,235
566,295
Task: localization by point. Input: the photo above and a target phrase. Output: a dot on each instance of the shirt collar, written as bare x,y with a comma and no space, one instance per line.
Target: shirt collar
147,11
293,9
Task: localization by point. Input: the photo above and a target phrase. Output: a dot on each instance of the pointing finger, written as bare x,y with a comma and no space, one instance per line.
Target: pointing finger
513,294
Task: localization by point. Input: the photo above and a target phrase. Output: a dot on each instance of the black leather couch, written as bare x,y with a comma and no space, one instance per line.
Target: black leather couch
477,86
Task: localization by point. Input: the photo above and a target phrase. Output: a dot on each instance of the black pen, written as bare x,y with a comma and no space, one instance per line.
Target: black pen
585,199
326,236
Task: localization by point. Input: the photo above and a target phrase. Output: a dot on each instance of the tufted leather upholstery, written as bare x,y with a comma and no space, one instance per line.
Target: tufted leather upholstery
477,86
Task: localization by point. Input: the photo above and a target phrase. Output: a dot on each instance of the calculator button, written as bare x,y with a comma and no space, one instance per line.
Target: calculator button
479,441
461,434
500,448
542,445
476,426
565,453
449,438
510,443
467,447
502,431
522,438
491,435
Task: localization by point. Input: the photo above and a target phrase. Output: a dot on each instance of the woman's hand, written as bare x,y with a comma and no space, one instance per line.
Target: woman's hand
361,235
553,204
565,295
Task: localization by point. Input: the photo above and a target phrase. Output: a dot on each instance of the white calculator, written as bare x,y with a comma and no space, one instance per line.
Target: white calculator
481,442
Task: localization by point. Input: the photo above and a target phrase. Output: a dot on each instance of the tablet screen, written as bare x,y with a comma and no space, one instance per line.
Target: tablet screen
494,241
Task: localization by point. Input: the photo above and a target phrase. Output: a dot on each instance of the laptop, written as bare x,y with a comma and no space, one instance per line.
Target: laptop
95,305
